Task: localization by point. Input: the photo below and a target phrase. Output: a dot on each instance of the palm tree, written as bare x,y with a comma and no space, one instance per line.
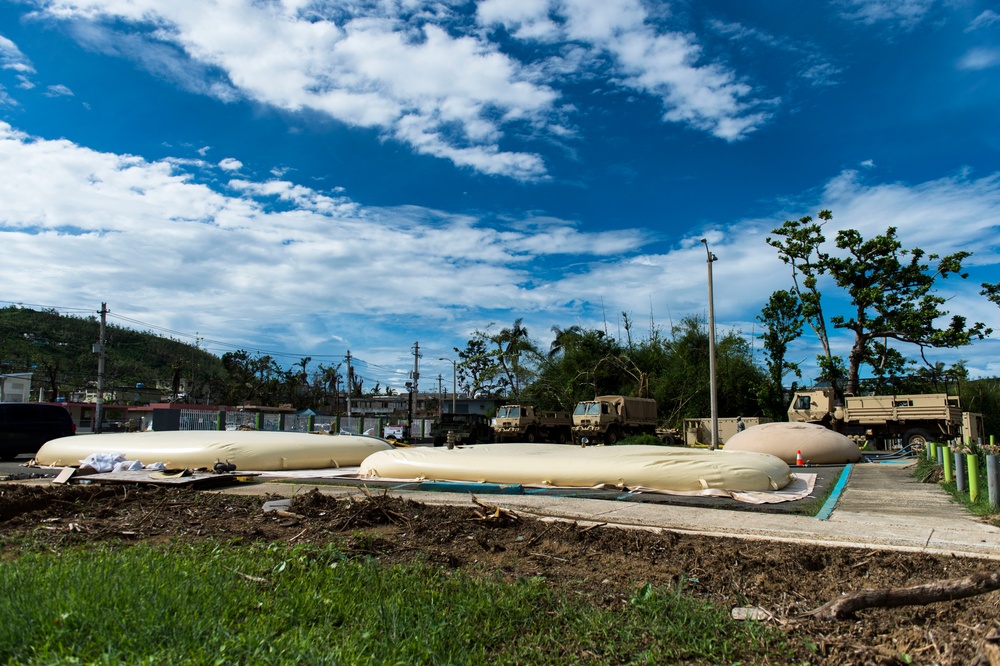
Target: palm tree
564,338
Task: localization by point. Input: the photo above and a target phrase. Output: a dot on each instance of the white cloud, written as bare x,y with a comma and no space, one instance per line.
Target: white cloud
86,227
229,164
665,65
11,58
445,95
163,247
422,74
984,20
58,90
905,13
980,58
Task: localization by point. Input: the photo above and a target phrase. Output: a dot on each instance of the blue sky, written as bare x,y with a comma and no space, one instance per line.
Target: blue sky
308,178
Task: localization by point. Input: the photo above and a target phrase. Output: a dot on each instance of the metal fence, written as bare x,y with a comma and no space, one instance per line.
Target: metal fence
199,419
194,419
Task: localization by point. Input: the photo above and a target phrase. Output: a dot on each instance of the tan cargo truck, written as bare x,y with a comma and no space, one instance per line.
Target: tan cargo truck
884,419
608,418
524,423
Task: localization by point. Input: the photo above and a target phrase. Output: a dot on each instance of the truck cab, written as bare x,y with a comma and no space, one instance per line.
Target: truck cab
815,406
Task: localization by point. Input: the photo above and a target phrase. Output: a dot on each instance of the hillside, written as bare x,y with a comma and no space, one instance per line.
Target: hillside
58,350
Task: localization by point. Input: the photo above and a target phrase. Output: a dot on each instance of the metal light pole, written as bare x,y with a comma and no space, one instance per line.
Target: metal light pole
99,348
711,351
454,381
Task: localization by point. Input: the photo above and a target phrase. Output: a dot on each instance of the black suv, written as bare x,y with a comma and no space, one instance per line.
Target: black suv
25,426
467,429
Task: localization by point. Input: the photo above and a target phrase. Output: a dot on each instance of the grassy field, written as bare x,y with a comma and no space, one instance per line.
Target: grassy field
216,603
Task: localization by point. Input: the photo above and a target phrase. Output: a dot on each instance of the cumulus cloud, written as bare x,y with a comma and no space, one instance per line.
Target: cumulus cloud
427,75
166,248
150,234
664,64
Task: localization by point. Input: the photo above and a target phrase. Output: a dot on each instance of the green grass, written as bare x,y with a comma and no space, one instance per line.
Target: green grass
277,604
981,507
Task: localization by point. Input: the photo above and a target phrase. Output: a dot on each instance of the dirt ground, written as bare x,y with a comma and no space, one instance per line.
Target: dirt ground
605,565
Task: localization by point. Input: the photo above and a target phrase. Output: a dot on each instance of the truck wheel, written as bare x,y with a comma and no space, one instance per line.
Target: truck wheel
611,438
529,436
561,437
916,437
438,441
668,440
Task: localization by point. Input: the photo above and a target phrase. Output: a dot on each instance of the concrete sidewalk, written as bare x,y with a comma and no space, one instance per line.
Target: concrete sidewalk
881,507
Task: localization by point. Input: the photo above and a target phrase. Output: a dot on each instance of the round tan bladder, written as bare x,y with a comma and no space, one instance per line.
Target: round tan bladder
819,445
655,467
247,449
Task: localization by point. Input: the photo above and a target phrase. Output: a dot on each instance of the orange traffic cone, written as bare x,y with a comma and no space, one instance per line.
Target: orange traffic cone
798,458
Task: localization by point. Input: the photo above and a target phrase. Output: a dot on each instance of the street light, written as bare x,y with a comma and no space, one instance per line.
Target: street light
454,381
711,351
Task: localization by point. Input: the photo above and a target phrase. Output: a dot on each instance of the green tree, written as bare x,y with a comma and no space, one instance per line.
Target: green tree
800,246
514,353
891,291
478,371
576,371
991,291
783,320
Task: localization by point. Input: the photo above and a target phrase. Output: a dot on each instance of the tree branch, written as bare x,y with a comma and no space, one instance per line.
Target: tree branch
919,595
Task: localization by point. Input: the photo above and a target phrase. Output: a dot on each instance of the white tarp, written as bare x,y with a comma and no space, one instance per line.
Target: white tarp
247,449
654,467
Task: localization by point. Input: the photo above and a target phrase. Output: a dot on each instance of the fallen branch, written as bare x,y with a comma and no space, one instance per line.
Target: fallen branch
493,513
918,595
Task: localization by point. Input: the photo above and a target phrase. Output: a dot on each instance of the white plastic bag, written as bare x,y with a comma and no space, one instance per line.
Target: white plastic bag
103,462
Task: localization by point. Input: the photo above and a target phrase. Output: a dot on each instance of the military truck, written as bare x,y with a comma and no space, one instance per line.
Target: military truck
608,418
908,419
463,428
524,423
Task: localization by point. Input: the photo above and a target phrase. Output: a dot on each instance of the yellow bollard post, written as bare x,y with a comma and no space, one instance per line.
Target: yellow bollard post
946,451
972,462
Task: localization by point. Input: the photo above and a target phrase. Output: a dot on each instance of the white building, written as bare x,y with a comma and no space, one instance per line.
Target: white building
15,387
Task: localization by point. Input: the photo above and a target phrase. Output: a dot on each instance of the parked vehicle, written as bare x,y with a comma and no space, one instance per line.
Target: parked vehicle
399,432
25,426
608,418
908,419
463,428
523,423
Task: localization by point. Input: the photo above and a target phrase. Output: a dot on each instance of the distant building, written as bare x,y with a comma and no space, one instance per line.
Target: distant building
15,387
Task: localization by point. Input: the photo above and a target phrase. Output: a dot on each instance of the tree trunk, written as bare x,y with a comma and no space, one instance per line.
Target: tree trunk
919,595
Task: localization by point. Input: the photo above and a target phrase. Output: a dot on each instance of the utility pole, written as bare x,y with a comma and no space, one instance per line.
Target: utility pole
350,382
99,348
440,394
416,370
711,351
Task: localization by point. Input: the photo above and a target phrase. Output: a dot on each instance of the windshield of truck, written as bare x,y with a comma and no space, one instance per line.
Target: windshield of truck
502,412
801,403
587,409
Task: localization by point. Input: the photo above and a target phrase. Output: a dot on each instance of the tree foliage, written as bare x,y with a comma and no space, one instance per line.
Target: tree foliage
58,350
891,290
782,319
672,369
